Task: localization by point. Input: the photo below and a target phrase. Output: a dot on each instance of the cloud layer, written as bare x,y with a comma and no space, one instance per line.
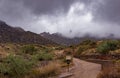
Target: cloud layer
72,18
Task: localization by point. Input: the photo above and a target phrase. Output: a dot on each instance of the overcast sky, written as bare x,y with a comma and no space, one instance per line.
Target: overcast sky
72,18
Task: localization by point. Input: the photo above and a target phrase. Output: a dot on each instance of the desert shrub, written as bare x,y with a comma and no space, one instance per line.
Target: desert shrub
51,69
81,49
44,56
118,43
15,66
3,69
85,45
88,42
30,49
48,49
107,46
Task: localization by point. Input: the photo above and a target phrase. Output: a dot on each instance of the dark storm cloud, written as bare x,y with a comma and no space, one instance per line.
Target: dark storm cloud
16,9
12,11
47,6
51,6
109,11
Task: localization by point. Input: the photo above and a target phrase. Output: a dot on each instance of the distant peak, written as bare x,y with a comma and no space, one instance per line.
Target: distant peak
45,33
2,22
19,29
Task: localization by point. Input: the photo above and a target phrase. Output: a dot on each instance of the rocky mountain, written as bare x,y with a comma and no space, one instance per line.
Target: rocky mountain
18,35
58,38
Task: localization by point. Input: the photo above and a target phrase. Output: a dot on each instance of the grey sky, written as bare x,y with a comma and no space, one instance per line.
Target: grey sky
72,18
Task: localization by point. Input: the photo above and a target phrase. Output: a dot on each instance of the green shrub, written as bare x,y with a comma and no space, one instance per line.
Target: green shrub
3,69
30,49
107,46
48,49
15,66
44,56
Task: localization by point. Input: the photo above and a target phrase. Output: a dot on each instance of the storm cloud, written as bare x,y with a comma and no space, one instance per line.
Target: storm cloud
72,18
109,11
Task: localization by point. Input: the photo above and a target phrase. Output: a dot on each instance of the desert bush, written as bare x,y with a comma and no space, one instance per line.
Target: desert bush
30,49
81,49
88,42
107,46
48,49
85,45
15,67
118,43
51,69
44,56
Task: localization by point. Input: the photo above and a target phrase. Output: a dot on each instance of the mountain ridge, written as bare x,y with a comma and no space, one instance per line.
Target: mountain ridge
19,35
58,38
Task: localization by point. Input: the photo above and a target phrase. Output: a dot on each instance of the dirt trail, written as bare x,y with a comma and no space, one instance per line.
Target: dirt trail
85,69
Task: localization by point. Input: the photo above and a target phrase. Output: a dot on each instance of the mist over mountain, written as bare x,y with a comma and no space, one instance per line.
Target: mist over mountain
60,39
19,35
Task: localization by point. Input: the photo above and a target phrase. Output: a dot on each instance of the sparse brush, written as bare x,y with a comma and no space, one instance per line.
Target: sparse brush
43,56
51,69
15,66
29,49
110,72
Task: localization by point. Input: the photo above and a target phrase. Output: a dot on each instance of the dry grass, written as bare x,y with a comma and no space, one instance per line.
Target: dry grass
3,53
110,72
51,69
91,51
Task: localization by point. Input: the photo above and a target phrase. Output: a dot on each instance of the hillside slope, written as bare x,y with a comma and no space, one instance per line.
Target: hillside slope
18,35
